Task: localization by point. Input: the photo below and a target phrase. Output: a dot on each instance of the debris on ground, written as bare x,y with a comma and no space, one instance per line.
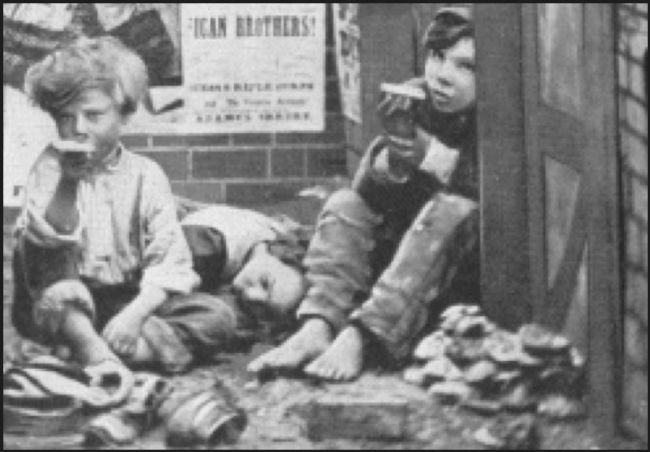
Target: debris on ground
470,362
275,409
520,433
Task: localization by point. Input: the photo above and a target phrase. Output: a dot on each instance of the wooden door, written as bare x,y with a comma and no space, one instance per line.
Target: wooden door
567,190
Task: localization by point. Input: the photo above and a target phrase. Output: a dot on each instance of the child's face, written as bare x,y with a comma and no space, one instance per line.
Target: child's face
450,77
272,287
93,118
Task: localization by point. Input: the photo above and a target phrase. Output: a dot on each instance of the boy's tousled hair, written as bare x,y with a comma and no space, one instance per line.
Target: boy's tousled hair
449,25
102,63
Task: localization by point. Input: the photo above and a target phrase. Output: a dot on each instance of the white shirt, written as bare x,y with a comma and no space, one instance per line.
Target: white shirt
128,224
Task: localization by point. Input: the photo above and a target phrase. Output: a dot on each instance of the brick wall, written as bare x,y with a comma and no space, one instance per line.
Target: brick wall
257,168
633,132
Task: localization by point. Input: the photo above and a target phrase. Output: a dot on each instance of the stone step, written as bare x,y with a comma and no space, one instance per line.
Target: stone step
370,418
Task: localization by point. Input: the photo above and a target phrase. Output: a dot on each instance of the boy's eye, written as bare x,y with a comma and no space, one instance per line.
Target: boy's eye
467,66
437,54
93,115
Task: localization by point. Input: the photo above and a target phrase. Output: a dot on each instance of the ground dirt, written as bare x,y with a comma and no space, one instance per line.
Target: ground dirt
277,410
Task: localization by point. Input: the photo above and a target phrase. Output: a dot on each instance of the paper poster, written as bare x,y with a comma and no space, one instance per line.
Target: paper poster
253,67
347,37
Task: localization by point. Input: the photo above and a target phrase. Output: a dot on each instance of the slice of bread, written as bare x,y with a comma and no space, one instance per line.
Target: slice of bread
72,146
410,91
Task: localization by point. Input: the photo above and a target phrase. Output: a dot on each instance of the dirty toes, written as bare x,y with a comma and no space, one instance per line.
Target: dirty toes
273,359
324,370
288,356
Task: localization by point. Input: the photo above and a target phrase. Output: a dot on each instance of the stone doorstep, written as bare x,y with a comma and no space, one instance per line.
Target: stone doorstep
370,418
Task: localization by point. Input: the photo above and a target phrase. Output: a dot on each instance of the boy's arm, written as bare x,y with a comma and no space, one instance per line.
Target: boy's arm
146,302
123,330
425,153
167,261
407,145
61,212
49,217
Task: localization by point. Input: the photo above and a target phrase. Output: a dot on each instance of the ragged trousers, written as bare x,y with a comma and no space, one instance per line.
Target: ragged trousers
391,301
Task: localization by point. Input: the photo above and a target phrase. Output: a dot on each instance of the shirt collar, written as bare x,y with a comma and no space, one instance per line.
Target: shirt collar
112,161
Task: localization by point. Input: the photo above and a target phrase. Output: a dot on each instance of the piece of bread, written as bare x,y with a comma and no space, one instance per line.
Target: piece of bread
410,91
72,146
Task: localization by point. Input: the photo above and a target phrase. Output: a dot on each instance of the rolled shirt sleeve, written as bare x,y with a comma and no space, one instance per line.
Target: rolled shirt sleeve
41,185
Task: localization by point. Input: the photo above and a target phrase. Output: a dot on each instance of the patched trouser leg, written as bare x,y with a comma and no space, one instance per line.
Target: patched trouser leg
183,329
424,264
338,259
187,328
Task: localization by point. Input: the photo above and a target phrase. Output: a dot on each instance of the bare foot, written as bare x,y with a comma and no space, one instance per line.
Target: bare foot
343,360
310,341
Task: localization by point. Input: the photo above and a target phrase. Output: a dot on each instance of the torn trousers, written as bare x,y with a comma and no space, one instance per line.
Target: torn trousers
382,257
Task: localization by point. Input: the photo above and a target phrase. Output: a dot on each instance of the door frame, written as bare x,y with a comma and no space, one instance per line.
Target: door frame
510,276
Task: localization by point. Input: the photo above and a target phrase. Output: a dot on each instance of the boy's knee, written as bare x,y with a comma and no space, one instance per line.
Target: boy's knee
57,299
456,204
347,203
208,317
343,200
445,211
223,315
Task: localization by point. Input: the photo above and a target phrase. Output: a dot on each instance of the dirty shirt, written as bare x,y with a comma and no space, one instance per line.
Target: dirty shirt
128,232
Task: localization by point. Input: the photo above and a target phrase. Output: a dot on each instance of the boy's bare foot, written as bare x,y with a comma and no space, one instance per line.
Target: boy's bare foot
308,342
343,360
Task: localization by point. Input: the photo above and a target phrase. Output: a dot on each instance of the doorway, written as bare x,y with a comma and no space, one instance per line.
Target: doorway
549,179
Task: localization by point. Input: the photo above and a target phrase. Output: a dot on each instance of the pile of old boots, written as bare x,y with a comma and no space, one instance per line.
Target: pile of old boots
471,362
197,416
50,402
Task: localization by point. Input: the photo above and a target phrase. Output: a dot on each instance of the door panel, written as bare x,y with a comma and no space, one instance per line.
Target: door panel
560,43
562,184
560,178
556,142
568,90
579,308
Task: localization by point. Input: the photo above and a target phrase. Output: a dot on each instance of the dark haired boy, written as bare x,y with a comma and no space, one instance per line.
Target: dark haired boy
386,251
